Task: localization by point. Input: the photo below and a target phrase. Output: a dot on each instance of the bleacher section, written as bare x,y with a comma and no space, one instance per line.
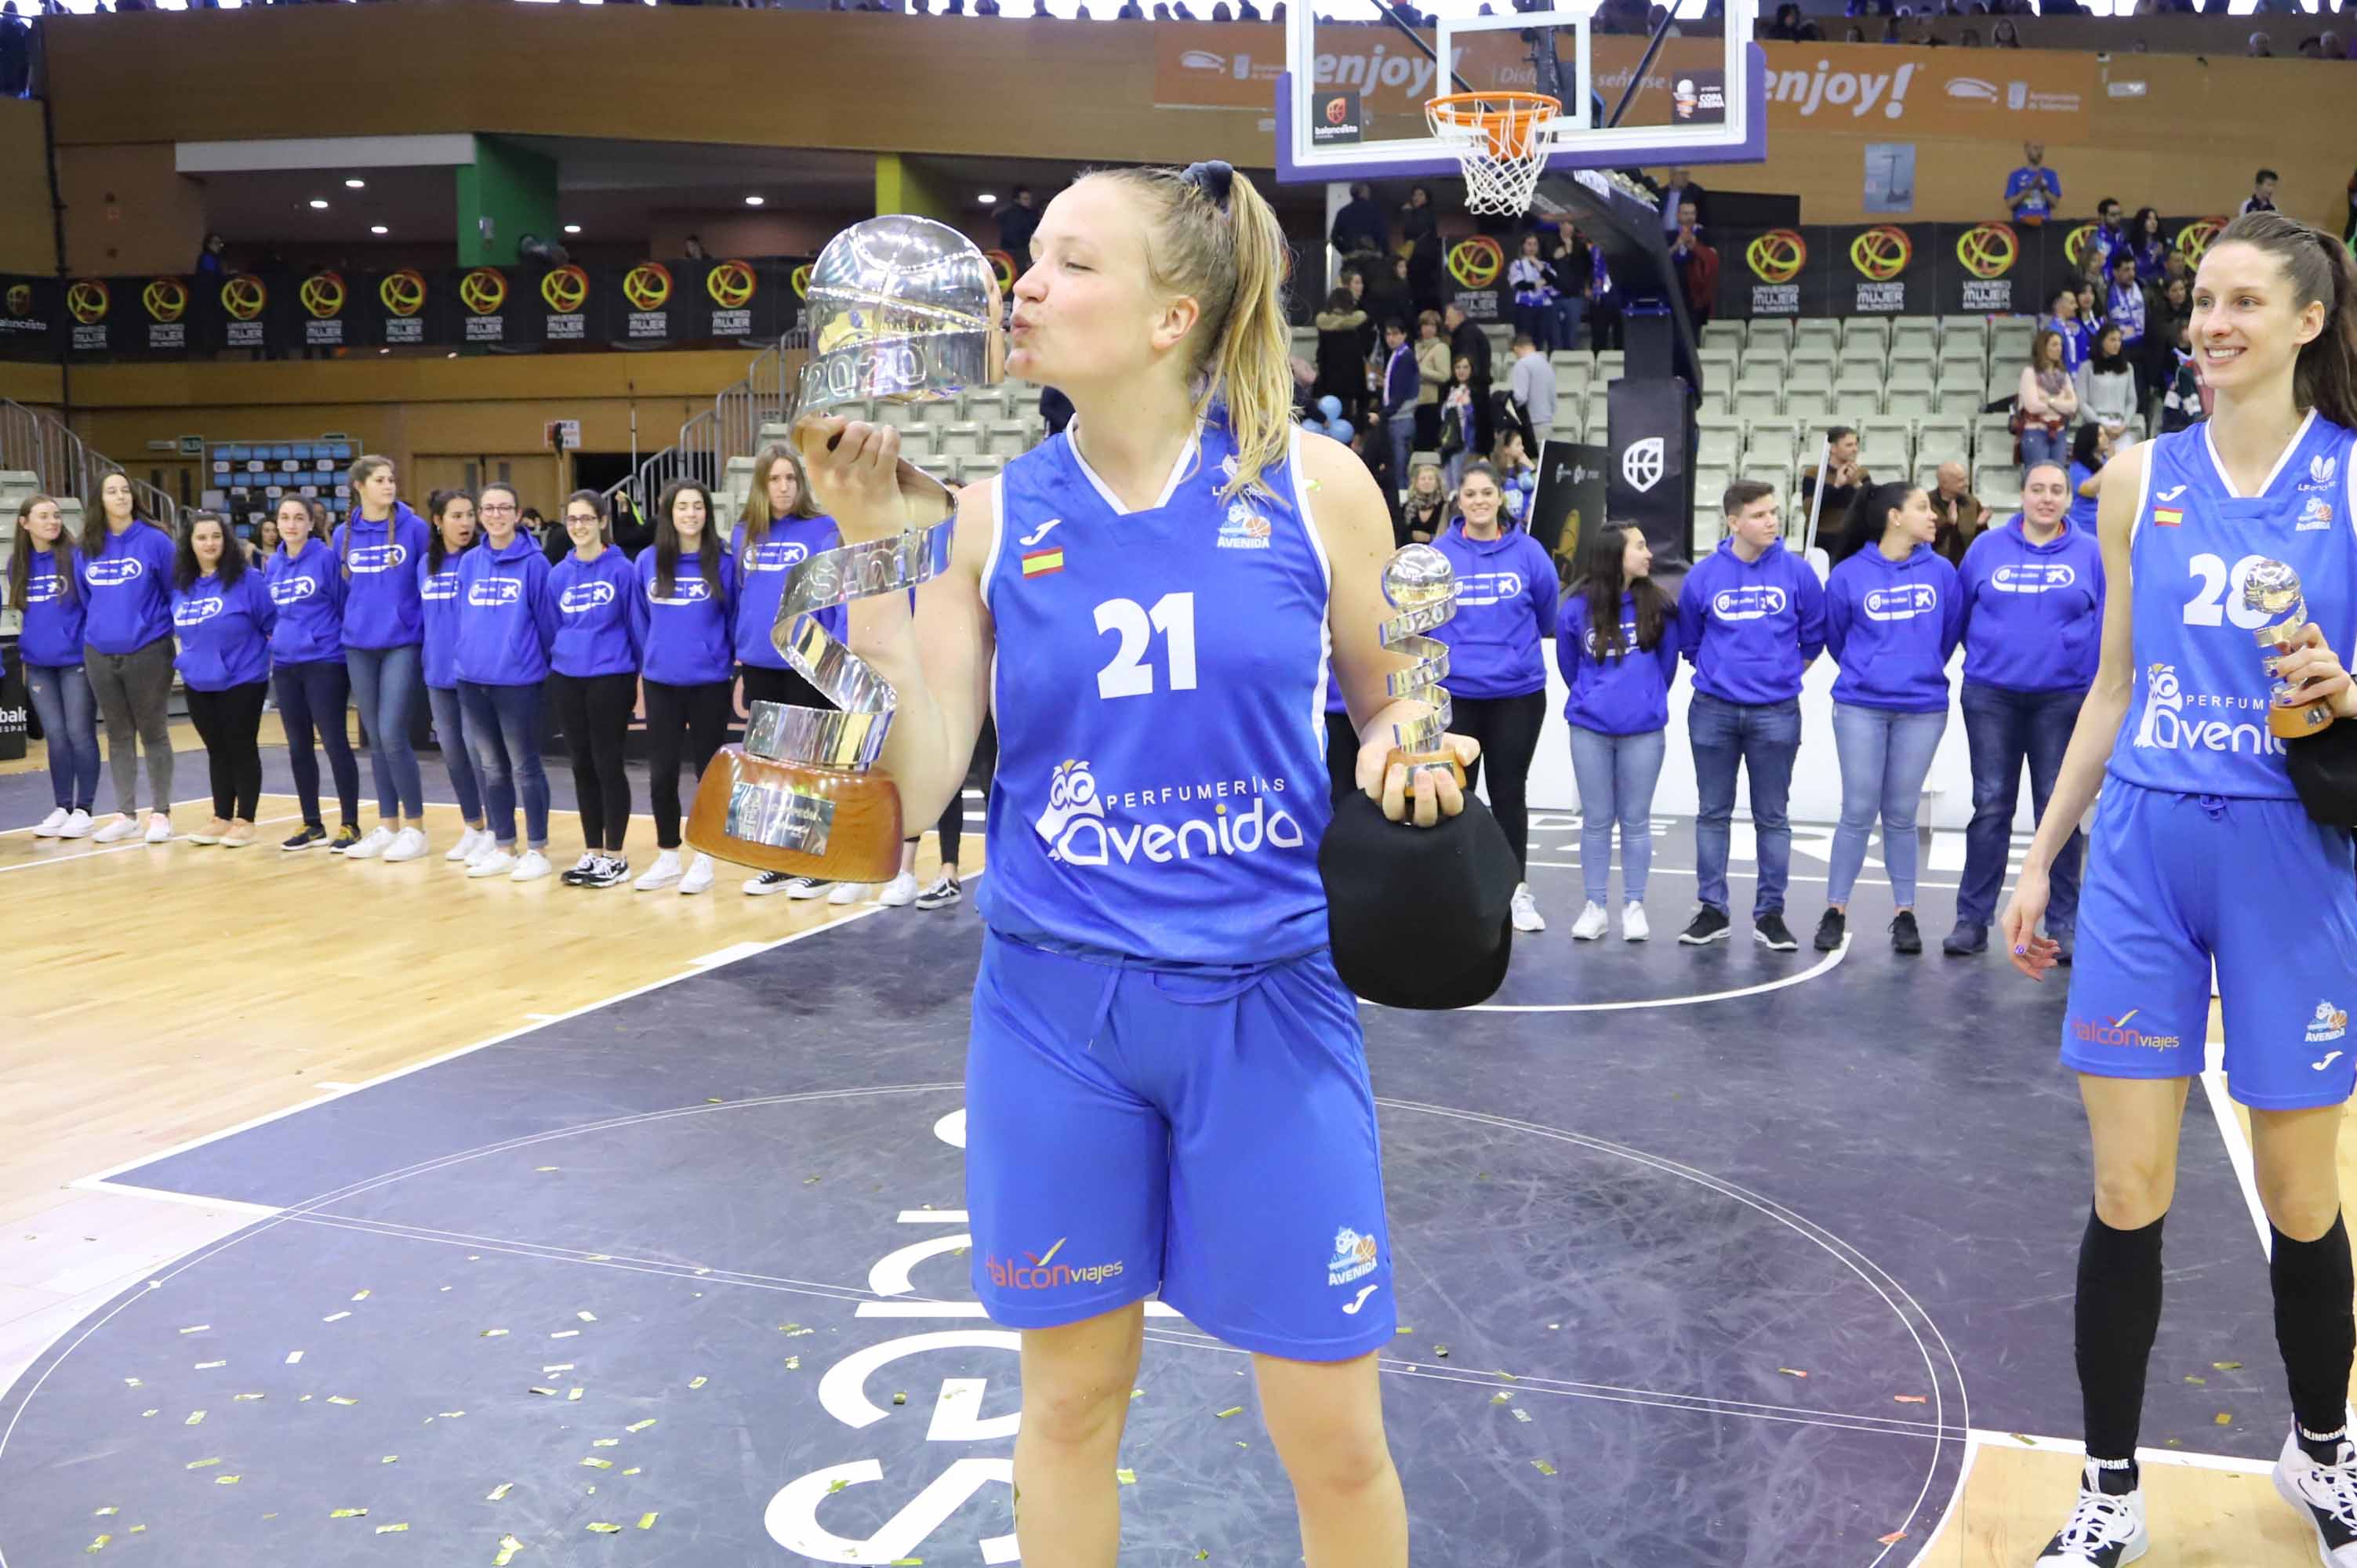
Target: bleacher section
962,440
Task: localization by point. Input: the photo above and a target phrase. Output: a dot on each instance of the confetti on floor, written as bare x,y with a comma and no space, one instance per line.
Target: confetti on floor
2198,1382
1893,1539
603,1529
607,1443
391,1529
1542,1467
559,1367
697,1382
247,1399
130,1382
587,1317
500,1491
793,1363
543,1170
551,1393
598,1463
647,1521
1231,1409
201,1464
147,1413
493,1333
390,1459
632,1471
362,1295
196,1329
349,1513
100,1544
1502,1399
334,1317
195,1417
566,1334
227,1480
1521,1414
294,1358
1793,1372
837,1485
1127,1478
508,1547
341,1399
899,1399
103,1513
640,1425
209,1366
573,1395
2224,1419
1908,1399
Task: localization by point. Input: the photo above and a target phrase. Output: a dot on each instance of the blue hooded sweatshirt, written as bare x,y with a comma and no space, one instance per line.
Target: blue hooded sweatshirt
52,637
506,619
1892,625
308,590
1751,629
437,599
380,605
128,585
761,573
601,616
1615,693
2033,613
225,631
2084,510
1505,606
688,638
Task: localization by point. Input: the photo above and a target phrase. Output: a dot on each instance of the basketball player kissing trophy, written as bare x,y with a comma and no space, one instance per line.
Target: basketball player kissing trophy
901,309
2272,588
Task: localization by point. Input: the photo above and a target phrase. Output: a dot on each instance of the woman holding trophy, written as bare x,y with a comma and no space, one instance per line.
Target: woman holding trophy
1165,1080
2231,567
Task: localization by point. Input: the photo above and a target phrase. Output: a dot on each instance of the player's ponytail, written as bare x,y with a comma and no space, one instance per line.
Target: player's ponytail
1216,240
2320,269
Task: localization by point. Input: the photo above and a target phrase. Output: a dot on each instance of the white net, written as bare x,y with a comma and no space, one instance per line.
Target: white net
1501,140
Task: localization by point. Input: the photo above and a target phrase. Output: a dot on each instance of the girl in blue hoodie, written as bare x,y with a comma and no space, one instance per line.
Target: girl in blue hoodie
452,514
1894,615
126,567
307,671
507,624
379,546
1506,594
1618,654
601,634
221,609
689,581
45,585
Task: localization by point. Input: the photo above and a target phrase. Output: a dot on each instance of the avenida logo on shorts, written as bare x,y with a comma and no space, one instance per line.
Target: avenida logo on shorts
2331,1023
1078,832
2165,726
1354,1257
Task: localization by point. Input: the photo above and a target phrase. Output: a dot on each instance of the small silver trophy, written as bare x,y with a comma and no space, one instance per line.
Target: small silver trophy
2272,589
1419,582
906,310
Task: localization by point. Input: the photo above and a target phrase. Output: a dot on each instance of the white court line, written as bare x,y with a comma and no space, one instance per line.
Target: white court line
190,1200
96,818
131,845
2177,1456
1733,875
728,954
2238,1155
1820,967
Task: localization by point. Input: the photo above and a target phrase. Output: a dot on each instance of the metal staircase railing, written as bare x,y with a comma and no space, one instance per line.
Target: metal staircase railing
730,428
40,444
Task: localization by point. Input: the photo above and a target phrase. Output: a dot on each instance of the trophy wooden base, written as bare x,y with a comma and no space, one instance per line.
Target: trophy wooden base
2297,723
1435,760
845,825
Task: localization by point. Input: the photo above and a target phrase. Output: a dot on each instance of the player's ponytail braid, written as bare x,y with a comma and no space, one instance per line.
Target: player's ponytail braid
2319,268
1217,241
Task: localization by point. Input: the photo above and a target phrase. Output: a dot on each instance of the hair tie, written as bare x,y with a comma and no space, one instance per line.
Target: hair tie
1214,178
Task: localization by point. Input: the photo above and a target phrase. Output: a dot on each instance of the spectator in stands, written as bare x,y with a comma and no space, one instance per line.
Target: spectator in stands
2184,404
1387,295
1533,279
2170,305
1531,384
2110,237
692,249
1017,219
2148,246
1342,364
2065,323
2107,389
1461,422
1786,28
2258,49
1423,514
2032,191
1402,393
1359,228
2091,448
1131,11
1697,266
1575,274
1518,476
2262,193
2005,35
16,52
1468,341
1959,512
1842,480
208,256
2047,404
1680,191
2126,306
1432,368
1420,232
2090,317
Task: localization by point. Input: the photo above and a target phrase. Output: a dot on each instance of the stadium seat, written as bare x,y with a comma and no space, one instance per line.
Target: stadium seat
1941,441
987,403
1866,337
974,469
1723,335
899,416
917,444
1886,444
1718,444
1914,337
1814,405
1814,350
1571,375
1809,375
1818,332
1959,403
1717,398
1609,365
1761,336
1009,438
1912,403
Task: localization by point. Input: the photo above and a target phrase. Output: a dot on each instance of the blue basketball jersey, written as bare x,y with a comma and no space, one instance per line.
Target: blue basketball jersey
1160,694
2196,722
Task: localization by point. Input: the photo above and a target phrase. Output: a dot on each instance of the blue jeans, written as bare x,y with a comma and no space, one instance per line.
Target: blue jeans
450,734
1884,758
2040,445
311,698
1403,434
1763,738
2006,729
385,686
1570,319
1617,774
68,716
503,732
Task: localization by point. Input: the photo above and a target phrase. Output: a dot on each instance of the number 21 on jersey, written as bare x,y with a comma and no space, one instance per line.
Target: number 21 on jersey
1131,673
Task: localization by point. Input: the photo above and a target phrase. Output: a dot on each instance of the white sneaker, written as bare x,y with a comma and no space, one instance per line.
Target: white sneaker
847,892
492,861
471,842
159,828
2326,1495
1526,910
2103,1532
76,825
661,875
1634,927
371,846
116,831
529,866
699,874
46,828
1590,925
898,892
409,843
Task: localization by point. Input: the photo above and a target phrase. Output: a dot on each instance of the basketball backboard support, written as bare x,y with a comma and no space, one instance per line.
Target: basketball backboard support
1351,102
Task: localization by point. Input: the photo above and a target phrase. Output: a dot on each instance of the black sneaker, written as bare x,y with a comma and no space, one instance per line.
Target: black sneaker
943,893
1709,925
1771,932
1965,941
1831,928
808,887
769,884
577,874
312,833
346,836
1904,935
610,871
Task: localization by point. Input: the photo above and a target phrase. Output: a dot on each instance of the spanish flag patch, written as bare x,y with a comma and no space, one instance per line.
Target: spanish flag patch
2167,516
1039,563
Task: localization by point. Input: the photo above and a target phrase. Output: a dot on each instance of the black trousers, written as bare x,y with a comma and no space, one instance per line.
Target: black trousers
682,721
1341,753
229,723
594,712
763,684
1508,729
952,827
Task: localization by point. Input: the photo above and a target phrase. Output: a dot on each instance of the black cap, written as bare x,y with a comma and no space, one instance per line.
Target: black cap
1419,917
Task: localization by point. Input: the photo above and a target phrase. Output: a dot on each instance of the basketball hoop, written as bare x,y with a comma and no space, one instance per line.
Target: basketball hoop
1502,139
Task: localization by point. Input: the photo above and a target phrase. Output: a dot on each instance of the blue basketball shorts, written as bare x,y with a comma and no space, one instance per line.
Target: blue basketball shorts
1210,1135
2176,880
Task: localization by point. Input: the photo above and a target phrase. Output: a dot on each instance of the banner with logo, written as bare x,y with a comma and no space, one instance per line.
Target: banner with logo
568,302
32,318
1778,274
1474,274
401,307
492,313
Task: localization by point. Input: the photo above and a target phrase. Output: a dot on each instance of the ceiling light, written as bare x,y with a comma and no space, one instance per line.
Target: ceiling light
573,228
355,185
986,197
755,200
318,204
379,229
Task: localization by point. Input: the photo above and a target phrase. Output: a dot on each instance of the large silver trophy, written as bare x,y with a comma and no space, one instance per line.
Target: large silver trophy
901,309
2272,589
1420,584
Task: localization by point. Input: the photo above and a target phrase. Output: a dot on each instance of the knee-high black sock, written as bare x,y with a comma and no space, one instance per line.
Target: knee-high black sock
2118,1312
2317,1332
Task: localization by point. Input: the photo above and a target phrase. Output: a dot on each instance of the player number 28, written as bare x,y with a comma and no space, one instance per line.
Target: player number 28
1129,675
2220,596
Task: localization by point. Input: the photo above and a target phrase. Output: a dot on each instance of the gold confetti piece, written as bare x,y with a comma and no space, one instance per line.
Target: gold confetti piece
2226,1365
2224,1420
558,1367
390,1459
549,1391
334,1317
607,1443
194,1418
1893,1539
452,1414
542,1169
1127,1478
305,1400
492,1333
137,1528
294,1358
227,1480
196,1329
1542,1467
265,1516
1502,1399
1793,1372
632,1471
1402,1331
105,1512
696,1382
714,1099
508,1547
2198,1382
1231,1409
601,1258
810,1181
899,1399
605,1529
130,1382
598,1463
391,1529
209,1366
339,1399
349,1513
2175,1443
100,1544
838,1484
1521,1414
362,1295
908,1562
647,1521
1507,1376
1137,1393
573,1395
587,1317
1202,1556
793,1363
248,1397
2024,1442
474,1257
1908,1399
1441,1351
566,1334
146,1412
703,1271
502,1490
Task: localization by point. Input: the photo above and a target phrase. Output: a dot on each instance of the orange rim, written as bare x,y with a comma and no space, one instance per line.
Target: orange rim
1506,121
